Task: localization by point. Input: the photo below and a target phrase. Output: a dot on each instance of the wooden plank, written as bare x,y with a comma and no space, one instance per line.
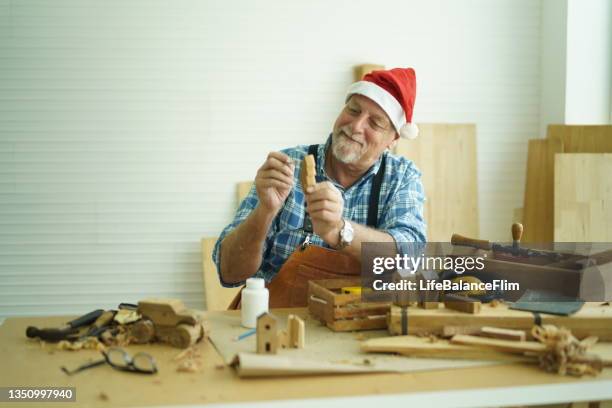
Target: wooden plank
242,190
361,70
446,155
582,138
503,334
583,197
591,320
413,346
462,304
375,322
539,198
216,296
508,346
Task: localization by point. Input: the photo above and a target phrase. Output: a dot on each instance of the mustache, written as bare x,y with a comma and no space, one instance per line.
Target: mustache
349,134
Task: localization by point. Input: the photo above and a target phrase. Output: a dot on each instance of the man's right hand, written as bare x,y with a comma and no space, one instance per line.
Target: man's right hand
274,181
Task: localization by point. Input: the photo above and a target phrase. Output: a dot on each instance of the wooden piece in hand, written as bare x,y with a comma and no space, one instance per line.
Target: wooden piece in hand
308,172
462,304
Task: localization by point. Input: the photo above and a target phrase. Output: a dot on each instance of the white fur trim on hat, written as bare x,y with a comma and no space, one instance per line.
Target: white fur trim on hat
409,131
383,98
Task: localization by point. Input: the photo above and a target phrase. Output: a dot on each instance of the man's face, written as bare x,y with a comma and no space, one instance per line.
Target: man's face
361,132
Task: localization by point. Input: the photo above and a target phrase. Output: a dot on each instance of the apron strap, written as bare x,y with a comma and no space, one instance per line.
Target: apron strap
374,193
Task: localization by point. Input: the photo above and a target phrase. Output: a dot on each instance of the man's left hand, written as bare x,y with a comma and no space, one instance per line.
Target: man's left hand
324,203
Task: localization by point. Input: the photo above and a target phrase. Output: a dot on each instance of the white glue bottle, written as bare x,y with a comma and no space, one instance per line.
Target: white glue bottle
254,301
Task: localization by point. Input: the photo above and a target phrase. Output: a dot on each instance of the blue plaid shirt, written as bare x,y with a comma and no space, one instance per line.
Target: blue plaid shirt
400,209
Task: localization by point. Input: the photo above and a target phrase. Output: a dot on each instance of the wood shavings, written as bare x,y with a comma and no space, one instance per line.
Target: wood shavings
566,355
190,360
119,337
89,343
125,316
189,366
219,366
495,303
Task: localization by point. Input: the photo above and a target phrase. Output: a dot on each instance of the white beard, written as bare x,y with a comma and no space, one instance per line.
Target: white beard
345,150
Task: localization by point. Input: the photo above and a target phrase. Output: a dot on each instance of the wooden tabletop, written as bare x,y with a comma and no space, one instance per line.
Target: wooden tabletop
26,362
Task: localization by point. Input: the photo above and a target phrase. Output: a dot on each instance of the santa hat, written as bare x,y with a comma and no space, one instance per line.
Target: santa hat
394,91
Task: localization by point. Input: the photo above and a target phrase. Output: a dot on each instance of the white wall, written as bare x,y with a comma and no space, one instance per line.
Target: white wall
589,61
553,63
124,125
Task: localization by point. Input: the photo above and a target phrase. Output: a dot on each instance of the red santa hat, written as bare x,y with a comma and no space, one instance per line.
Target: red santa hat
394,91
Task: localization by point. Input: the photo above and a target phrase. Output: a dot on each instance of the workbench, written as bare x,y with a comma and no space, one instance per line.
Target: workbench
25,363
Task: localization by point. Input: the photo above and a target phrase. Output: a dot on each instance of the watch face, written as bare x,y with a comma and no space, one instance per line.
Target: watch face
347,233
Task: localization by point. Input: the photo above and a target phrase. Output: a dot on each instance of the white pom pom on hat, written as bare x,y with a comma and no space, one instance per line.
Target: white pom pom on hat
409,131
394,91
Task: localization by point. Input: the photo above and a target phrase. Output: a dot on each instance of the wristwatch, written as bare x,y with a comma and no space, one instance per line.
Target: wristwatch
347,233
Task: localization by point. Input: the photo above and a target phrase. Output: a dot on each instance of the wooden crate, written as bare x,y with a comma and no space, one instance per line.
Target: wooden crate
341,311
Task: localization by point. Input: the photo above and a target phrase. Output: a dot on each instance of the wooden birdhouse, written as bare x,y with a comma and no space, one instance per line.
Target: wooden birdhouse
267,334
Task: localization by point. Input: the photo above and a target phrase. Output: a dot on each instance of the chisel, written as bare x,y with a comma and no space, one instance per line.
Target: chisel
64,333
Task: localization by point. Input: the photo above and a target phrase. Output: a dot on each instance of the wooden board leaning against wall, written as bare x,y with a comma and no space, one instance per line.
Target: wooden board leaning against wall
583,197
446,156
538,209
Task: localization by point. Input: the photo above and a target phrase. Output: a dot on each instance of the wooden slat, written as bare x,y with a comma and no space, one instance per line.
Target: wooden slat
505,334
583,197
360,310
509,346
423,347
446,155
539,197
359,324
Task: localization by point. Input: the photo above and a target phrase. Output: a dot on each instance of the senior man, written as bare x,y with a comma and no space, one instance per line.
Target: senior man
363,194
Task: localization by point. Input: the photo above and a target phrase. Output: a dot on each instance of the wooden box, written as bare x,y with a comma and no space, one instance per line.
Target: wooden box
344,311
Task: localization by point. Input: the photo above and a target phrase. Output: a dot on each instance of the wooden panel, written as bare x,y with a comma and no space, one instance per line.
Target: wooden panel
583,139
538,215
216,296
539,198
446,155
361,70
583,197
242,190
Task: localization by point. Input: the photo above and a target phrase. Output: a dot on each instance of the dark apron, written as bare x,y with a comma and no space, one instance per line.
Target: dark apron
289,288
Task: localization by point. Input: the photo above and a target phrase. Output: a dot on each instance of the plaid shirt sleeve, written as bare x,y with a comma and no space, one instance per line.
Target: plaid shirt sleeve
245,209
402,216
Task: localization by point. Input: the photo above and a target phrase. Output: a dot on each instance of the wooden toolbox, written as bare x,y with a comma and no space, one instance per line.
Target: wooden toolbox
583,270
344,311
